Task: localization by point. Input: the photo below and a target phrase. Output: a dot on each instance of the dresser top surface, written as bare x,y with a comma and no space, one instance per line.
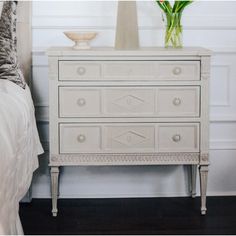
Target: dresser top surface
145,51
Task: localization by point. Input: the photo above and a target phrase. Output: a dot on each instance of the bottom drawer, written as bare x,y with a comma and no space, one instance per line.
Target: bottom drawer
126,138
178,138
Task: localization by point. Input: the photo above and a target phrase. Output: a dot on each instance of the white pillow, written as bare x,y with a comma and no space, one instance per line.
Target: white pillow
1,5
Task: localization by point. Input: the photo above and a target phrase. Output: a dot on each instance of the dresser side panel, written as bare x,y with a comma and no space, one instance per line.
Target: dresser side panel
53,106
204,137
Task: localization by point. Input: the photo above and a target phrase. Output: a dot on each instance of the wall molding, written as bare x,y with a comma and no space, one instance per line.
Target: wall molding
223,144
227,103
101,22
40,65
223,50
223,118
143,28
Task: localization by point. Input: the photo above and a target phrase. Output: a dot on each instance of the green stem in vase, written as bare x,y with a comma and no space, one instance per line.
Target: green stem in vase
173,37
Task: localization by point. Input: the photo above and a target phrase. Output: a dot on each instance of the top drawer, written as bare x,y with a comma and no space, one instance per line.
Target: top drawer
129,70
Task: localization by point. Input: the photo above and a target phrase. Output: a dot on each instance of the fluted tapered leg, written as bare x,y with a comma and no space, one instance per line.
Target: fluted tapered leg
203,171
54,188
193,180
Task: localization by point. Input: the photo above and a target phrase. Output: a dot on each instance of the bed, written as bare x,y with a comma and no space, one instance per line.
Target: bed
19,140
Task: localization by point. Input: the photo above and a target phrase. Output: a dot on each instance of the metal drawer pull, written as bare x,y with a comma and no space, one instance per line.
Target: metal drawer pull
81,102
81,138
81,70
176,138
177,101
177,71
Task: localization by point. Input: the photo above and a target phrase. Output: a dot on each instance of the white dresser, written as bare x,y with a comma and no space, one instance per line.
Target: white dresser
141,107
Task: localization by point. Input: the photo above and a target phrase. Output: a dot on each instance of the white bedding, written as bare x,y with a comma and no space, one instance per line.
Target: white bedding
19,148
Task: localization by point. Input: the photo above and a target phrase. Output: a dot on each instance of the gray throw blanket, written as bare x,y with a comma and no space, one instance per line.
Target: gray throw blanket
9,66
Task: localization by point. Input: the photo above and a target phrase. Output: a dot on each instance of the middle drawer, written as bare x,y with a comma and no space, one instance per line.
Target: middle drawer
158,101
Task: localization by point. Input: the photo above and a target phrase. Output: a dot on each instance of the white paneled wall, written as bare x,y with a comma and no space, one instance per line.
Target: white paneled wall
210,24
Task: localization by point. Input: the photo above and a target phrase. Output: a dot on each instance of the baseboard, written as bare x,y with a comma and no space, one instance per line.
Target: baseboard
156,195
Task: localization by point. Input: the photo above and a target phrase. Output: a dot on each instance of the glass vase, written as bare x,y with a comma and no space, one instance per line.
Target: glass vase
174,31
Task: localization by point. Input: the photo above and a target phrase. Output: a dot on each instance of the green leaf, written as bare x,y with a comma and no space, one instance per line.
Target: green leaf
161,5
182,5
168,6
165,6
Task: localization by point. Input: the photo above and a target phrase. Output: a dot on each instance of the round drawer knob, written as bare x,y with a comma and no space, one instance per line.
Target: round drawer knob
81,70
177,101
81,102
81,138
176,138
177,71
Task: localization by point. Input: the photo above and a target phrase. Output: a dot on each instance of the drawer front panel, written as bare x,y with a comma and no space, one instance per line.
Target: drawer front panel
76,138
178,101
75,70
178,138
178,70
78,102
128,137
129,102
129,70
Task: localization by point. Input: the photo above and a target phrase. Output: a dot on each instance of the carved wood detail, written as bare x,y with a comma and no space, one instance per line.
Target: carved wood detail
124,159
204,158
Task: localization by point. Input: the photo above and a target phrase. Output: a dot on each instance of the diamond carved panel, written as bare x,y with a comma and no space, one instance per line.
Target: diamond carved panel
129,102
130,138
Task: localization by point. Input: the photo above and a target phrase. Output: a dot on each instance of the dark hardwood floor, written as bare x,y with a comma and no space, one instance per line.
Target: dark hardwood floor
130,216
